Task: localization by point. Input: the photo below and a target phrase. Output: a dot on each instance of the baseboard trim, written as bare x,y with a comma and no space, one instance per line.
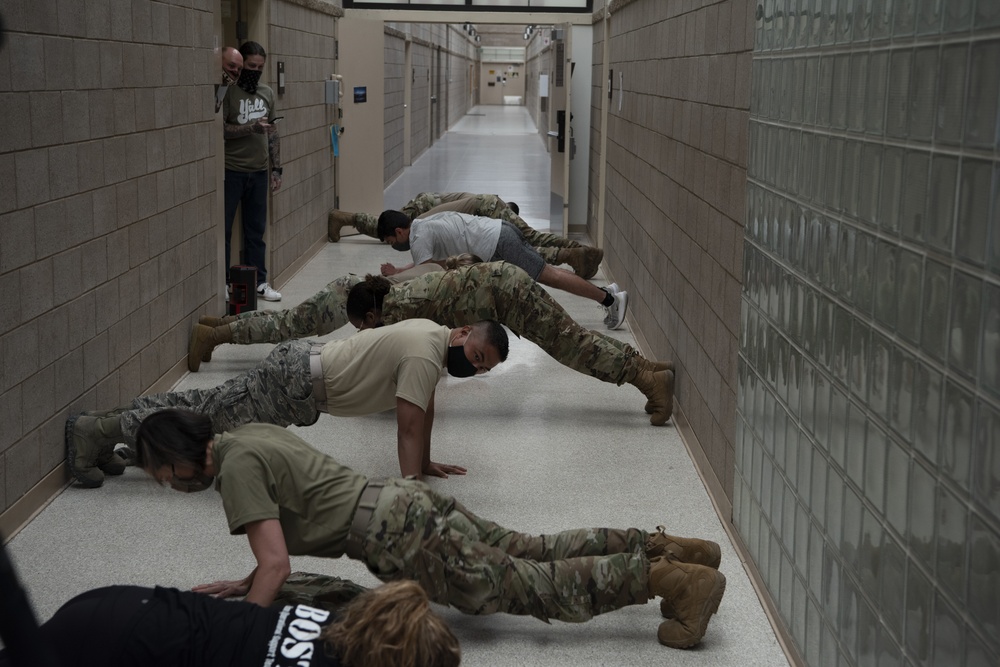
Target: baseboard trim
28,506
724,510
300,263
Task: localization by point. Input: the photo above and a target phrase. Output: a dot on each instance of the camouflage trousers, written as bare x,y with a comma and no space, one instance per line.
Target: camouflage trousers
323,312
277,391
479,567
492,290
503,292
317,590
490,206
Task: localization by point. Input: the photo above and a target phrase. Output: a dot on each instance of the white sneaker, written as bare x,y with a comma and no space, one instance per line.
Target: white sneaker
268,293
611,288
616,312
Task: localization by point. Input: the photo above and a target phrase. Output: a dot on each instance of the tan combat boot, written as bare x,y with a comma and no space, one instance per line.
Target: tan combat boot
90,448
335,221
584,260
684,549
203,341
649,365
209,321
658,386
691,594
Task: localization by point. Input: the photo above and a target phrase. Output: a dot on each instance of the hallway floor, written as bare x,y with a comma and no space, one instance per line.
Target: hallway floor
547,449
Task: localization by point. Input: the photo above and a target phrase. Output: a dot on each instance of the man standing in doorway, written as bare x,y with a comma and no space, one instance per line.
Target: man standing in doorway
251,145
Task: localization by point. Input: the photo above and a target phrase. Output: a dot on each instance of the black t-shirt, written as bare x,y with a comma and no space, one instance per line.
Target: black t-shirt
200,630
130,626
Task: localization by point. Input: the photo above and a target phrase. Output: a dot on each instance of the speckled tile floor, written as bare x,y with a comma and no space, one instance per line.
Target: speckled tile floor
547,449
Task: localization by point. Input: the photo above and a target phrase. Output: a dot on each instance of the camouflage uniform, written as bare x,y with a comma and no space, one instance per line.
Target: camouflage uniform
276,391
323,312
479,567
492,290
504,292
490,206
317,590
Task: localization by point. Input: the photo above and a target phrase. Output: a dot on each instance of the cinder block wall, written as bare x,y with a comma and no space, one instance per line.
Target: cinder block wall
395,91
420,128
457,52
108,212
301,36
675,195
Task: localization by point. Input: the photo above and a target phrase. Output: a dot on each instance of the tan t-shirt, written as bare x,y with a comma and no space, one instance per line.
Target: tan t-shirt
368,371
267,472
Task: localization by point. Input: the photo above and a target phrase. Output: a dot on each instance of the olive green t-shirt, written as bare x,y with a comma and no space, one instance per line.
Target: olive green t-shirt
239,107
267,472
365,373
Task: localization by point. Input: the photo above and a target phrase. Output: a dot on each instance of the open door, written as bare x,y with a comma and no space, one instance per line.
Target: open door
362,152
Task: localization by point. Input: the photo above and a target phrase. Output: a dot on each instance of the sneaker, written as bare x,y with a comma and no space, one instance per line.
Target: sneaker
616,312
611,288
268,293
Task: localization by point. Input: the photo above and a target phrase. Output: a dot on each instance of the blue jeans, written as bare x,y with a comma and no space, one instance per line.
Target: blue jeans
248,188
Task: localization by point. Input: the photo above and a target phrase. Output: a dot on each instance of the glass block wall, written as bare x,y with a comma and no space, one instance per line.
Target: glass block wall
868,433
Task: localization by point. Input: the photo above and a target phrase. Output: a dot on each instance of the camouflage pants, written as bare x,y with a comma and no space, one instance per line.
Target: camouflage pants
317,590
503,292
490,206
479,567
492,290
323,312
276,391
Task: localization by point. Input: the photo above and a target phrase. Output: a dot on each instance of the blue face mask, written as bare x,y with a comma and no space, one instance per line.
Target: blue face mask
458,364
401,245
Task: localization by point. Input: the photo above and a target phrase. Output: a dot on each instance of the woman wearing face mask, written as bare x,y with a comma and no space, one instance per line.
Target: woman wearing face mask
131,626
395,367
290,499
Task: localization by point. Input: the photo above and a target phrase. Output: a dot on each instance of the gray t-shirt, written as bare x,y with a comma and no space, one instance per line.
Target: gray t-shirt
248,153
437,237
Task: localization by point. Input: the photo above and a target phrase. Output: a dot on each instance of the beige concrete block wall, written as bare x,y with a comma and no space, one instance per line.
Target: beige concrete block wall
108,213
395,91
301,36
598,100
461,56
456,54
676,183
420,132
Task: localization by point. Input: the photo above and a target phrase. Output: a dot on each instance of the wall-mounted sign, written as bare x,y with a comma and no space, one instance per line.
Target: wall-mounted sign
360,94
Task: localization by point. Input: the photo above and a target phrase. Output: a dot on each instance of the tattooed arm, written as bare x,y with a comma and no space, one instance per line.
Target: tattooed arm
274,150
234,131
274,147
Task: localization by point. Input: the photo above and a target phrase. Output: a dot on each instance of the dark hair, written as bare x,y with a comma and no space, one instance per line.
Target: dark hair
366,295
389,221
514,207
252,49
495,335
172,436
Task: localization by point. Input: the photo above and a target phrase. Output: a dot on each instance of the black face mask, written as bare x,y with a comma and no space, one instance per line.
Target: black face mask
458,365
249,79
401,245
